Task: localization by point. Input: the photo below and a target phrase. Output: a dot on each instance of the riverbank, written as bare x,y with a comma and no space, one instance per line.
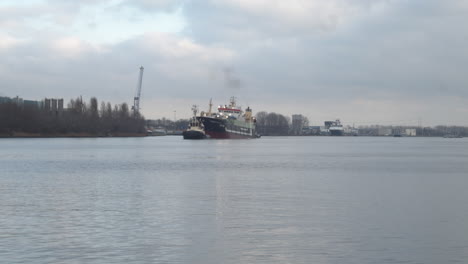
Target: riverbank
69,135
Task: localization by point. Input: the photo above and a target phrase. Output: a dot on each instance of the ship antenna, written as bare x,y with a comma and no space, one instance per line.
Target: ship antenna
195,110
233,102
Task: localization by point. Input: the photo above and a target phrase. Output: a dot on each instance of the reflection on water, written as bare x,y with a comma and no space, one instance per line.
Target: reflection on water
269,200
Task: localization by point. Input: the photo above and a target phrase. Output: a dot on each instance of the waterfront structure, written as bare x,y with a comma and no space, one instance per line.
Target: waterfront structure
53,105
410,132
385,131
21,102
351,131
136,99
297,124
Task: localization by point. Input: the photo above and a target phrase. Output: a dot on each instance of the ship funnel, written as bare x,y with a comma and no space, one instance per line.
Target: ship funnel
248,114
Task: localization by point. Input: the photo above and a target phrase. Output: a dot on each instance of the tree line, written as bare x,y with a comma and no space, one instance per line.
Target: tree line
272,124
104,119
78,118
167,124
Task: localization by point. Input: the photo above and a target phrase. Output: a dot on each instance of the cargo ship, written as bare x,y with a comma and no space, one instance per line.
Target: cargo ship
230,121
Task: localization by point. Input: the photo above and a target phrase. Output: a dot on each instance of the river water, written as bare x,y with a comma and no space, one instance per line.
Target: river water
269,200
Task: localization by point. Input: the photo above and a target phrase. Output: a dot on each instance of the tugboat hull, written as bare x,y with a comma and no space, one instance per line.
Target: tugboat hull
193,134
336,132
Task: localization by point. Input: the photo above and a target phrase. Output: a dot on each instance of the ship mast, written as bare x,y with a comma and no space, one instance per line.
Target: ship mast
232,102
195,110
211,105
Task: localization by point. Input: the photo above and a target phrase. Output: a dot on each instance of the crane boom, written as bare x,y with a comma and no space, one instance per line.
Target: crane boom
136,99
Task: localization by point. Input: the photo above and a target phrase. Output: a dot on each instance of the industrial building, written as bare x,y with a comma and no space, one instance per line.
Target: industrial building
55,105
297,124
410,132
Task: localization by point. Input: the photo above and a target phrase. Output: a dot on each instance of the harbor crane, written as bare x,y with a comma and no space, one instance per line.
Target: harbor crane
136,99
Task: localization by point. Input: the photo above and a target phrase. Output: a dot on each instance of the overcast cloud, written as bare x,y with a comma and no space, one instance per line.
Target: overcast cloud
364,61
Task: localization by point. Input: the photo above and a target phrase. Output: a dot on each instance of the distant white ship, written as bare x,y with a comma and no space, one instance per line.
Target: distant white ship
335,127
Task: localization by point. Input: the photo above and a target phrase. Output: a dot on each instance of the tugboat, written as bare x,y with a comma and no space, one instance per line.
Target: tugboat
195,129
229,122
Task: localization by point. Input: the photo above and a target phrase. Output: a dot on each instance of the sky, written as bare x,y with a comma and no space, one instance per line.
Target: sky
388,62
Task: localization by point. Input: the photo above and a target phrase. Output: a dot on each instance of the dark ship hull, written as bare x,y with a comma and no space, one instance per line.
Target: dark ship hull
193,134
336,132
227,128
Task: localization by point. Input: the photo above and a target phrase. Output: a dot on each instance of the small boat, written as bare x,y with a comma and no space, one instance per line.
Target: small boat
452,136
196,129
157,132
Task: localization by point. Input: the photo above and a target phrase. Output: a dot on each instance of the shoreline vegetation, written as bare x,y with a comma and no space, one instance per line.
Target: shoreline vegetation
69,135
79,119
93,120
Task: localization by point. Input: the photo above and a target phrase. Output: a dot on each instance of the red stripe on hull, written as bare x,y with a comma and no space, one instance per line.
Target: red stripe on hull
226,135
229,109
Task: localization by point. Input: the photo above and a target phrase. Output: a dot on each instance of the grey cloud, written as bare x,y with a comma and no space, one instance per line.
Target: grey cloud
411,50
404,53
230,78
16,19
153,5
228,21
403,57
173,66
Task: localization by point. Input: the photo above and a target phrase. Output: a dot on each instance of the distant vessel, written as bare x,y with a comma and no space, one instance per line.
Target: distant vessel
334,127
196,128
452,136
157,132
229,122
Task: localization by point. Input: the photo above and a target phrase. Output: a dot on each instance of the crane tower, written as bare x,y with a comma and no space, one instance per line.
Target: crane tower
136,99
